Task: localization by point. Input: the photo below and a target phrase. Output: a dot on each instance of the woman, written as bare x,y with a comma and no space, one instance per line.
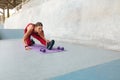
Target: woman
35,30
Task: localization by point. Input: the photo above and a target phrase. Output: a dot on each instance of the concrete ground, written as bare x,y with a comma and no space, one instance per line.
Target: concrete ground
78,62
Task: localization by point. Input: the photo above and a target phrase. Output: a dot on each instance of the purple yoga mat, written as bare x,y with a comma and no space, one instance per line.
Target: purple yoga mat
37,48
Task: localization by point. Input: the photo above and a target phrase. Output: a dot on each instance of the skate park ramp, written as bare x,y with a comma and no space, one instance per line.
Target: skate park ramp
88,29
78,62
89,22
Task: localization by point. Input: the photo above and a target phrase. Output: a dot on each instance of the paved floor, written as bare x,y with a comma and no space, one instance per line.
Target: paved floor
76,61
107,71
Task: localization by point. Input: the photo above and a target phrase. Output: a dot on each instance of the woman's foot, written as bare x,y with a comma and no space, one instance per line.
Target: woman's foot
50,44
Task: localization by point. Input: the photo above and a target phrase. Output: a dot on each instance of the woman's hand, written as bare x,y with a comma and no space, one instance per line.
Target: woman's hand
27,48
48,41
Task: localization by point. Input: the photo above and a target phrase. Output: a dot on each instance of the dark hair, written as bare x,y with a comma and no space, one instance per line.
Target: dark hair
38,24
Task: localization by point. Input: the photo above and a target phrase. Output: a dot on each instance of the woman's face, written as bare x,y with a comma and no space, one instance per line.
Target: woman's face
39,29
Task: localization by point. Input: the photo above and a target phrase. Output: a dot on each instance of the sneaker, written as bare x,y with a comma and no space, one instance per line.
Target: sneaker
50,44
32,42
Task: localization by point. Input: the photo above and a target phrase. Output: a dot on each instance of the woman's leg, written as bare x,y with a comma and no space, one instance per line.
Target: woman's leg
39,39
28,41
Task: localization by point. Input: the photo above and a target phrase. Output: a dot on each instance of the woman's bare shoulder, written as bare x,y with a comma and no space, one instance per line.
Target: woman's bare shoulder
30,27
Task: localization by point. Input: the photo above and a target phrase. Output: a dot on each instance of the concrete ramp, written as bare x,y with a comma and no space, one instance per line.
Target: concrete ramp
89,22
18,64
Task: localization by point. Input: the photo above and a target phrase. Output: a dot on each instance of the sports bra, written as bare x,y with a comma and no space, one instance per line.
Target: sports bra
25,30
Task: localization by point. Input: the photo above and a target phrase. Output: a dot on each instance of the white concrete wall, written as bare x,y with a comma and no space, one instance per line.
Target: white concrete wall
91,22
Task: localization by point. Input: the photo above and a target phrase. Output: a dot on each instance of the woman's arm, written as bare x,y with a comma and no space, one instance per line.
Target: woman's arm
41,34
27,34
